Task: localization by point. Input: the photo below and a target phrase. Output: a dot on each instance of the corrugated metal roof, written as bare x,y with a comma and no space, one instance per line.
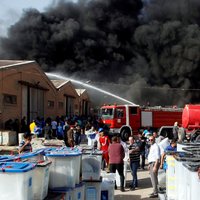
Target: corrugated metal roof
12,63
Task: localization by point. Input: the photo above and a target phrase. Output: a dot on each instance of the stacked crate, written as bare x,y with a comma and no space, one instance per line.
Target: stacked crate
91,174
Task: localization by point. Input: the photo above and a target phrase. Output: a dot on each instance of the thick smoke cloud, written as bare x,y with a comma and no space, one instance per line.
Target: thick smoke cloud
169,41
144,51
186,11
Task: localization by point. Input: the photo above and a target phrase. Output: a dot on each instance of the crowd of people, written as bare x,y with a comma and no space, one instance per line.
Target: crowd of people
146,145
115,152
69,129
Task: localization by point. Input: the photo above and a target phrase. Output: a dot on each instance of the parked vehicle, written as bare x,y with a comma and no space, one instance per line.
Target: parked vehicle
129,119
166,131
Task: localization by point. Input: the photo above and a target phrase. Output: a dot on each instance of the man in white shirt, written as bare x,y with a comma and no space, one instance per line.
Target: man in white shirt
158,138
154,163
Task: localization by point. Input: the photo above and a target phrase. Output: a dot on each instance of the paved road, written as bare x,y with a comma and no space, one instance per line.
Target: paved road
142,192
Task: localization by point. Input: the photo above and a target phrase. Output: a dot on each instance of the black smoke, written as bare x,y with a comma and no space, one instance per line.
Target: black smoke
145,51
168,39
186,11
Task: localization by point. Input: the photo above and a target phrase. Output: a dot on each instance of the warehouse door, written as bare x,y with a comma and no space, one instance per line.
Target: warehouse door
36,103
32,103
69,106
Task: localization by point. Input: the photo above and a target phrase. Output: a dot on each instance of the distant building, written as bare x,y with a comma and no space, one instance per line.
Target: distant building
25,90
83,102
69,99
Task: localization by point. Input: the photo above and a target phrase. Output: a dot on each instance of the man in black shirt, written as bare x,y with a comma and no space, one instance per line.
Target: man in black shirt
142,144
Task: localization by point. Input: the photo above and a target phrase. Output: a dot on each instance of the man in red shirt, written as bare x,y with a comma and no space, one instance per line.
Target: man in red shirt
104,143
116,156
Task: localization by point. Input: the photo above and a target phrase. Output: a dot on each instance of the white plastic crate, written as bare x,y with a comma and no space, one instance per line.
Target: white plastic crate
91,167
16,181
170,178
66,193
180,178
96,153
41,180
92,190
108,186
79,192
9,138
64,170
192,181
35,156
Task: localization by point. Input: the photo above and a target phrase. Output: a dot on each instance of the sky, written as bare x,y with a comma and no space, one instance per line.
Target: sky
10,11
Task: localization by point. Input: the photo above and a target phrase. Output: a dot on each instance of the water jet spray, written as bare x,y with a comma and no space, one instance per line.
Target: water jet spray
57,76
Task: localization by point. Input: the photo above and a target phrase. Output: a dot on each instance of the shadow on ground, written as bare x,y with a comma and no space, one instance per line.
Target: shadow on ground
131,196
142,183
128,196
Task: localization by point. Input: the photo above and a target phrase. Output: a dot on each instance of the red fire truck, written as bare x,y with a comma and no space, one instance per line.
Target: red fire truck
129,119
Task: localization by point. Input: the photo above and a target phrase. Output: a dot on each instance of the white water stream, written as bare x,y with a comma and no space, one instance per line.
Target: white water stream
61,77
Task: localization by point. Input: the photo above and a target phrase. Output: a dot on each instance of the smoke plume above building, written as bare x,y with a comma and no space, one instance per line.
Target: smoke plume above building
145,51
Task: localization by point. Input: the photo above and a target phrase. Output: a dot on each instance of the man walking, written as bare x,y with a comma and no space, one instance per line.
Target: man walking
116,156
134,156
154,163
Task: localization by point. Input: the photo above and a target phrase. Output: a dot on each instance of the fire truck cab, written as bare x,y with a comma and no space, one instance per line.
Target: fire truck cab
126,120
121,119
